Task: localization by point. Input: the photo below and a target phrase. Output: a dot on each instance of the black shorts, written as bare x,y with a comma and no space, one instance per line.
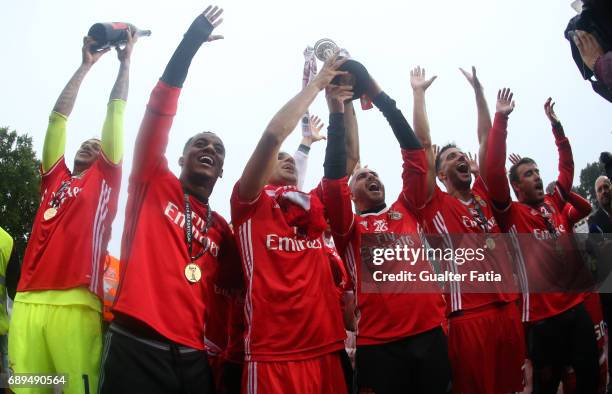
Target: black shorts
566,339
416,364
347,368
133,365
231,378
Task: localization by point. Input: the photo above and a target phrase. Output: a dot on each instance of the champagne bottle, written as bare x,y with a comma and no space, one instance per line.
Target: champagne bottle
113,34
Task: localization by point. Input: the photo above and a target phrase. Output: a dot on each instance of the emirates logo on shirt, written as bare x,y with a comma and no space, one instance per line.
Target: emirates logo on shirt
544,235
177,217
69,192
470,222
291,244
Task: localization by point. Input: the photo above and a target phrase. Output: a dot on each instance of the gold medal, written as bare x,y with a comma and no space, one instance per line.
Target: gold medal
193,273
50,213
490,243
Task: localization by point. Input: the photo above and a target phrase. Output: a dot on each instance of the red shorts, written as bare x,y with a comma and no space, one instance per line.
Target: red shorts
321,374
487,350
592,304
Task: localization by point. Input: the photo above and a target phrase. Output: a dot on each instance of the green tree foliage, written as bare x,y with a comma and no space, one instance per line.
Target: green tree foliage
588,175
19,187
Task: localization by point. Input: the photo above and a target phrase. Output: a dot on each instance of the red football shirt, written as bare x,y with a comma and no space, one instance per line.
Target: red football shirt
68,250
291,308
535,255
446,215
218,303
234,351
384,317
154,288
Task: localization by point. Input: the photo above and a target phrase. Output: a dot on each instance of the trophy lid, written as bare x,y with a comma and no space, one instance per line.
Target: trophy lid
324,49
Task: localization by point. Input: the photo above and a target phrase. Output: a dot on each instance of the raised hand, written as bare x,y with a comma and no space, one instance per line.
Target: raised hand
336,95
213,16
329,71
418,80
473,163
204,24
124,54
589,48
514,158
549,109
505,104
316,125
472,78
89,57
436,150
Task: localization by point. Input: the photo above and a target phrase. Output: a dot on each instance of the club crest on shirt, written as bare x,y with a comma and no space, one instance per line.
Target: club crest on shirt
395,215
480,201
534,212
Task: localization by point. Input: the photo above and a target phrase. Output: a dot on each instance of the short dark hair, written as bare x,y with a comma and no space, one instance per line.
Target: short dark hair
190,140
513,173
439,156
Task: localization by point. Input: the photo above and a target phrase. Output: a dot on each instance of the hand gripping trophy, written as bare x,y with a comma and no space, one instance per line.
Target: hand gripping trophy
359,76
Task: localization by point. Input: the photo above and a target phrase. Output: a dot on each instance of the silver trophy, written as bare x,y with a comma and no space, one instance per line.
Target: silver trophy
326,48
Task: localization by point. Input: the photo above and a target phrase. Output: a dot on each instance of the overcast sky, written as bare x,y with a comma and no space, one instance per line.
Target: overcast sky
236,85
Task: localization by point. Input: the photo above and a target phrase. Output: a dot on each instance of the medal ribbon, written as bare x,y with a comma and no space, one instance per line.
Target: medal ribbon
59,194
58,197
310,71
481,219
549,225
189,229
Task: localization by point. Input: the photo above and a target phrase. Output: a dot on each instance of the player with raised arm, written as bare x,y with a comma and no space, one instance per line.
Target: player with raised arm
486,343
56,323
156,344
294,329
559,330
301,154
401,346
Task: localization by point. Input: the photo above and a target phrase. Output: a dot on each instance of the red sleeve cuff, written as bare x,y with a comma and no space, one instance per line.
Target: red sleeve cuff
164,99
500,121
416,156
